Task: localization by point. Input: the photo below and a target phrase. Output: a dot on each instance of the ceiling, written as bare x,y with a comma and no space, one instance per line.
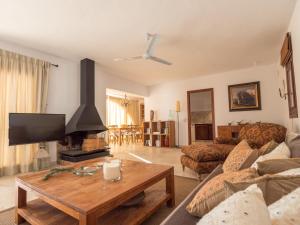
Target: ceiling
199,36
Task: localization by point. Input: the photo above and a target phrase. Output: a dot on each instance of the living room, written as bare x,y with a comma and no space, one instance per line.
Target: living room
117,78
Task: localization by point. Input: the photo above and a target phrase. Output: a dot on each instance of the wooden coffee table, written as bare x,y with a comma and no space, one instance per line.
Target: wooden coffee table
72,200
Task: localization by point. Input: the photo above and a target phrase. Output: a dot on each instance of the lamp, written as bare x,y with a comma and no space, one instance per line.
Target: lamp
283,93
125,102
177,109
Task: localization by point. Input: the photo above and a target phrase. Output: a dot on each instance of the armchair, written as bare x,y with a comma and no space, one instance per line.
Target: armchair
204,158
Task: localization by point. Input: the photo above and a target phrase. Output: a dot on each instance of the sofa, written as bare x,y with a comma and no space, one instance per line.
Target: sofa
180,215
204,158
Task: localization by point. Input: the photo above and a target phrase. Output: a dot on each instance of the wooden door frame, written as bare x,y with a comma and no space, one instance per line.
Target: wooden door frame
189,111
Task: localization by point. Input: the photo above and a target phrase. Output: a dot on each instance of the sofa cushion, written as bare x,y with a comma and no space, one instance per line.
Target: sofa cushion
274,166
272,186
267,148
207,152
242,156
243,208
213,192
286,210
199,167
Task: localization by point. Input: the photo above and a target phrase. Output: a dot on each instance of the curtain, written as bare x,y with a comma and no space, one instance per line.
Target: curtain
23,89
117,114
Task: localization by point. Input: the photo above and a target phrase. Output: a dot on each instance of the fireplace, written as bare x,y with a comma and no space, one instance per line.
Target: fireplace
81,141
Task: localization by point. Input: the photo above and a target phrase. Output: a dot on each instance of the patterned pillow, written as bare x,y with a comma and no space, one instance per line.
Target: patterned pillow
267,148
213,192
286,210
246,207
207,152
242,156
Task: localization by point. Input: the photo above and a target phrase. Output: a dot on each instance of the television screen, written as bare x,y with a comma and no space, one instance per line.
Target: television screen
26,128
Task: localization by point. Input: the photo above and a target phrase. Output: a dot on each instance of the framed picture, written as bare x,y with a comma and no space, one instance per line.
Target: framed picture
244,97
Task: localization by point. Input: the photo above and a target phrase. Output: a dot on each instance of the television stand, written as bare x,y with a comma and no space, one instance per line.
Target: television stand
79,155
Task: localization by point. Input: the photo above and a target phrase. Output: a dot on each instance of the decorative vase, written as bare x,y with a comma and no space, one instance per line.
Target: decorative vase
151,115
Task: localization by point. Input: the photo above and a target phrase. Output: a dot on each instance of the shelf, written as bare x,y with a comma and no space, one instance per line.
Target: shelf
37,212
166,130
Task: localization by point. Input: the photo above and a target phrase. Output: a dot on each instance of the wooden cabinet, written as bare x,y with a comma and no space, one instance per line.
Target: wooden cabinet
159,133
228,131
203,132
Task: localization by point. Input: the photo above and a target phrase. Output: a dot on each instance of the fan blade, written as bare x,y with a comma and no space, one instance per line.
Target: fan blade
128,59
159,60
153,38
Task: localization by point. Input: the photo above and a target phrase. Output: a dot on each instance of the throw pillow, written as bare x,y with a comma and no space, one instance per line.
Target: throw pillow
267,148
286,210
274,166
272,186
243,208
282,151
213,192
290,136
291,172
242,156
294,146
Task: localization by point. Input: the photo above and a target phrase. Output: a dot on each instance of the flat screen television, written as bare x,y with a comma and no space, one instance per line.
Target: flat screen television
27,128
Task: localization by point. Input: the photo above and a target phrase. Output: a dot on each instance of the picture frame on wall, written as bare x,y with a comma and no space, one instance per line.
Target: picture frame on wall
244,97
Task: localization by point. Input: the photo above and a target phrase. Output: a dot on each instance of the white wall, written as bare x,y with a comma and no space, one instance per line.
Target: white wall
104,80
294,28
162,97
64,85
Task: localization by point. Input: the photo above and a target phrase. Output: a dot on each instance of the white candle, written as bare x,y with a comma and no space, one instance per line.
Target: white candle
111,171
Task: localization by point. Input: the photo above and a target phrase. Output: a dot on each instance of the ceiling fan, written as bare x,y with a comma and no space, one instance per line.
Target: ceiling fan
151,38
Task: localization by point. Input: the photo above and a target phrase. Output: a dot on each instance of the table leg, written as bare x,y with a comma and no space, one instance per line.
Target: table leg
170,188
88,220
21,201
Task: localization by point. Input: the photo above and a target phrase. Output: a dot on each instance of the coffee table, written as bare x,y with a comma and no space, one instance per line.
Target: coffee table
73,200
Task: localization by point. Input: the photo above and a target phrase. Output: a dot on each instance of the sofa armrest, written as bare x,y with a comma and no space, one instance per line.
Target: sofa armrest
179,215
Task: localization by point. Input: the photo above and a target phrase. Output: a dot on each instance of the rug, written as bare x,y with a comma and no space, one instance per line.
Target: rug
183,186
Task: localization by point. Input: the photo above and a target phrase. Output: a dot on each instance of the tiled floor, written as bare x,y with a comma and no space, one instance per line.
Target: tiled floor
7,193
168,156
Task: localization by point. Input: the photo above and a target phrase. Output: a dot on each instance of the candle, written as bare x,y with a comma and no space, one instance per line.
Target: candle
111,171
177,106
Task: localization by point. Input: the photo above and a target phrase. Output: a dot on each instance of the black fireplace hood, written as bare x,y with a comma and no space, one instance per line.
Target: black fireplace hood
86,118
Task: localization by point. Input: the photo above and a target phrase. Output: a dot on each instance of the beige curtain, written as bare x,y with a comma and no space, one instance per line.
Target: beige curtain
23,89
133,113
117,114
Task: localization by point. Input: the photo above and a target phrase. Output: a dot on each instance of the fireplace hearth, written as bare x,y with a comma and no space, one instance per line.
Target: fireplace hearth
86,123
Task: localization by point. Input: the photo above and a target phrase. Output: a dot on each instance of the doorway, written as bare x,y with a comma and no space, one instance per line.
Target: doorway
201,115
